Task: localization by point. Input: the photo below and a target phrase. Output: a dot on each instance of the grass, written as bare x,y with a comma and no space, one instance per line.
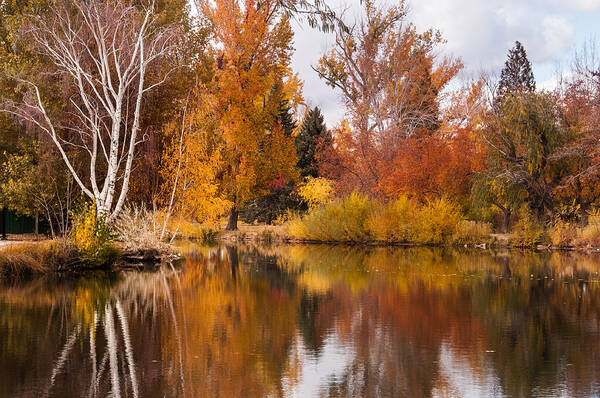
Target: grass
472,232
30,258
342,220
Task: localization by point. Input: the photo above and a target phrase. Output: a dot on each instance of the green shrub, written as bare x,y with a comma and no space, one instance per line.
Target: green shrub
563,234
394,221
528,231
266,236
472,232
436,221
208,235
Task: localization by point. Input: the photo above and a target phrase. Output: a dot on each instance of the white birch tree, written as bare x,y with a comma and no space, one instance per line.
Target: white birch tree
102,50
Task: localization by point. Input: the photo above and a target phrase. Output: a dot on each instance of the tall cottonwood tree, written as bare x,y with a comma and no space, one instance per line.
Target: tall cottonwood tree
390,80
253,46
102,51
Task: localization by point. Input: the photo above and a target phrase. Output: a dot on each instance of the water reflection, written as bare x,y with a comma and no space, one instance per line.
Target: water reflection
310,321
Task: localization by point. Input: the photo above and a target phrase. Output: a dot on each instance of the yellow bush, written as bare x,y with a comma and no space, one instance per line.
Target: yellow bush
91,235
342,220
528,232
394,221
563,234
316,191
436,221
472,232
590,234
358,219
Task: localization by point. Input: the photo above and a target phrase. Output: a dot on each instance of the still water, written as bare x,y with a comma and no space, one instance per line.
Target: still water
310,321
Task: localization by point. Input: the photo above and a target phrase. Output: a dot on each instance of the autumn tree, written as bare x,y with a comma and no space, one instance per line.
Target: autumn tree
580,102
390,80
252,76
192,159
101,51
523,137
524,133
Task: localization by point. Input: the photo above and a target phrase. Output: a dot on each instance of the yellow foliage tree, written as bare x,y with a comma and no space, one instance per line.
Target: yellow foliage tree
192,160
253,46
316,191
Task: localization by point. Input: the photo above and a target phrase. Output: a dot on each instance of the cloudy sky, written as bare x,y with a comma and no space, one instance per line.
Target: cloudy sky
480,32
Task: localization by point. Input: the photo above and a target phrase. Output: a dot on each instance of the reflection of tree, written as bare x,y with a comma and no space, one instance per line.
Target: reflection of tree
416,301
241,321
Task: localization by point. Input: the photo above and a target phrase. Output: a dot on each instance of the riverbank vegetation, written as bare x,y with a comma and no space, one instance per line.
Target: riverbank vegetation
162,123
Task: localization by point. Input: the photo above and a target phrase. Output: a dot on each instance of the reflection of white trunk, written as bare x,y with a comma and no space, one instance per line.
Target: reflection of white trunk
62,358
101,369
94,383
128,349
176,326
111,345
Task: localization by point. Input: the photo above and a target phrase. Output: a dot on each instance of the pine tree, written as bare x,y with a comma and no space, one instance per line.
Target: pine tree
516,76
286,117
284,114
312,132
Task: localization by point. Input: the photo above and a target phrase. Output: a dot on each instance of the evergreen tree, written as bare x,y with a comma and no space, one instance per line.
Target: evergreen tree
516,76
286,117
312,132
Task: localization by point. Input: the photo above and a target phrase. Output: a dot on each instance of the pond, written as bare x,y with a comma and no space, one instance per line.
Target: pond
310,321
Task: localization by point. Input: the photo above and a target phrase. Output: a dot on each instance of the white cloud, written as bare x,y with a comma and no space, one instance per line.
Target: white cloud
558,35
480,32
572,5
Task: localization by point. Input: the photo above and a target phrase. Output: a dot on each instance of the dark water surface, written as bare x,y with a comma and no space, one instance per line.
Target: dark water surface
310,321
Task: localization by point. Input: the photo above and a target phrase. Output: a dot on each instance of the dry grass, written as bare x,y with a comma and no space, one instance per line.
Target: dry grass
139,229
472,232
29,258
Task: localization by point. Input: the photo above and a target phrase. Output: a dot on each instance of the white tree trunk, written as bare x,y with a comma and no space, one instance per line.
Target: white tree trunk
104,50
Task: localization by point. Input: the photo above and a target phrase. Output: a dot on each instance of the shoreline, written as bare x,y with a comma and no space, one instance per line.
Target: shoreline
33,258
257,234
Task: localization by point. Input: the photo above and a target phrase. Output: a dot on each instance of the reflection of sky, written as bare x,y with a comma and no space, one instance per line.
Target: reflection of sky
317,372
458,379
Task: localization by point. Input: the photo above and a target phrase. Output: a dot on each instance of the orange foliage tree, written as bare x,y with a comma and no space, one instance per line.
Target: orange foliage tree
391,82
252,45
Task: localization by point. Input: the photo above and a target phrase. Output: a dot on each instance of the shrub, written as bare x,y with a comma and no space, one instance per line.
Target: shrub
208,235
91,235
266,236
436,221
139,229
394,221
472,232
528,231
590,234
343,220
563,234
